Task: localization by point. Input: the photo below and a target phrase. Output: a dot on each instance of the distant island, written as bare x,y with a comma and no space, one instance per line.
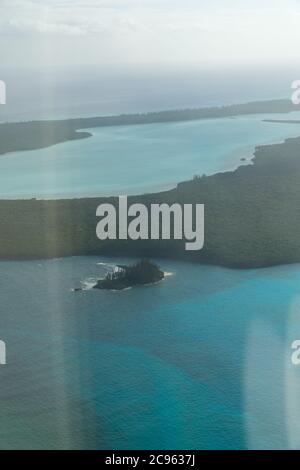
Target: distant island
138,274
252,218
34,135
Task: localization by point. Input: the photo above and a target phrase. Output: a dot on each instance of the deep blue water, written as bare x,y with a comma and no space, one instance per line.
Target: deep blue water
200,360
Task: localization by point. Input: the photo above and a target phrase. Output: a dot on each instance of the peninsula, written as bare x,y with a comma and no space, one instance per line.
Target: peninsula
252,218
33,135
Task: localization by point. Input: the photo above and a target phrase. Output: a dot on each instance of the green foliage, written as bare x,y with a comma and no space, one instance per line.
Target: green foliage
252,217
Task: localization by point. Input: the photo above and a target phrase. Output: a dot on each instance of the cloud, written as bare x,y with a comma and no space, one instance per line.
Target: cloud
21,26
208,31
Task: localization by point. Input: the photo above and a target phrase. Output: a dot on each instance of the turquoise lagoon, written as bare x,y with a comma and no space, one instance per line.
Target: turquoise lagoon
135,159
201,360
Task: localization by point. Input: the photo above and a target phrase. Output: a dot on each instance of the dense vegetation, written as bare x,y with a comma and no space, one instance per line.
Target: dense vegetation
252,215
140,273
41,134
252,218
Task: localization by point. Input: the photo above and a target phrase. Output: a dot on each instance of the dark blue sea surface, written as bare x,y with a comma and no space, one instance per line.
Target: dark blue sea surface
66,92
200,360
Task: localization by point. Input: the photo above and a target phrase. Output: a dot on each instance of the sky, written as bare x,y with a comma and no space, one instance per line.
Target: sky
203,33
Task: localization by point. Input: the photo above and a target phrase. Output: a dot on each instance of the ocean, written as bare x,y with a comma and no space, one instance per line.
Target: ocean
200,360
140,158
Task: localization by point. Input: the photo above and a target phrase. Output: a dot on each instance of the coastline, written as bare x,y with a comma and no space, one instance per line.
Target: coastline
252,218
33,135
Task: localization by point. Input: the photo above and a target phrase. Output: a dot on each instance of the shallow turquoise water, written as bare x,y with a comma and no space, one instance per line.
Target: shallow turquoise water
134,159
200,360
